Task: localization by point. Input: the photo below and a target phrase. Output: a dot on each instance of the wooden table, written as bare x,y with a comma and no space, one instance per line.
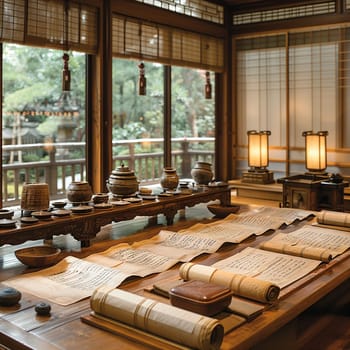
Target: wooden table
20,328
84,227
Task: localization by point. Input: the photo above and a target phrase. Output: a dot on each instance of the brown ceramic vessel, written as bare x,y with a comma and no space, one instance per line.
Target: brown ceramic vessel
79,192
122,181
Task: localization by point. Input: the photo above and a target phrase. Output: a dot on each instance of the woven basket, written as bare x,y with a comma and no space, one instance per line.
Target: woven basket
35,196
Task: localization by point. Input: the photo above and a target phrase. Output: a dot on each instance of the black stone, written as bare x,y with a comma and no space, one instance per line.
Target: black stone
9,296
43,309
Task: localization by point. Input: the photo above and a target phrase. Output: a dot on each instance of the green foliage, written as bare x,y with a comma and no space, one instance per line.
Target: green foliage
130,131
17,100
32,81
76,154
32,157
25,66
192,114
48,127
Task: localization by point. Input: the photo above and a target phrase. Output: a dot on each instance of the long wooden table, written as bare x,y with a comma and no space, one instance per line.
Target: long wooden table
84,227
20,328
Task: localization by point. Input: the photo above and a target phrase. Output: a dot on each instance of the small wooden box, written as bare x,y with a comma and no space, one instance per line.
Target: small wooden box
313,192
203,298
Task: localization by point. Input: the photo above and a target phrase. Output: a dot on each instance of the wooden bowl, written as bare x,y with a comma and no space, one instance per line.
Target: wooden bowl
221,211
39,256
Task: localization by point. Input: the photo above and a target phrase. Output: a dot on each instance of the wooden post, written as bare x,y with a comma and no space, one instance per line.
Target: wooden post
186,159
52,171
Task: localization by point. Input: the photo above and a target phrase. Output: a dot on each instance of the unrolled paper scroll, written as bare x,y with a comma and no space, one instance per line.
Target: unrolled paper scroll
244,286
181,326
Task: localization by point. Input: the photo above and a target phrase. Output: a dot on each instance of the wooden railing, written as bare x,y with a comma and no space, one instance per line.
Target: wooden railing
144,156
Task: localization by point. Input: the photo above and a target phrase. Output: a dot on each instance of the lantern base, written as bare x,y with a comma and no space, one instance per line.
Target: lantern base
258,177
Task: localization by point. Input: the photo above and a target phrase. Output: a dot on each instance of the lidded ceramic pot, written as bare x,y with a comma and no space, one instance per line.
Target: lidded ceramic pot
79,192
169,179
122,181
202,173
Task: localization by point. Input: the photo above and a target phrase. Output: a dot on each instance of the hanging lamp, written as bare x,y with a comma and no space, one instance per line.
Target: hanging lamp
142,79
66,72
207,85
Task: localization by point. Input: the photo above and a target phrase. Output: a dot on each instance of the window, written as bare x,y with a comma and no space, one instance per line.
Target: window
140,126
285,12
193,119
175,109
43,131
35,110
261,96
299,87
194,8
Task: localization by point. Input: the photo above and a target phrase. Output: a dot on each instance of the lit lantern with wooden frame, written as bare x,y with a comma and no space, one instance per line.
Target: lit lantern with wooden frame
258,158
316,151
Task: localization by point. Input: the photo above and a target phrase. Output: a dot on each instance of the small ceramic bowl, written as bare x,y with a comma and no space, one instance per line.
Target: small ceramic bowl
145,191
6,214
42,214
38,256
59,204
100,198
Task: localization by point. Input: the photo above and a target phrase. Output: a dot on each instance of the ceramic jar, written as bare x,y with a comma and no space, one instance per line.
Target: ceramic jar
202,173
79,192
169,179
122,181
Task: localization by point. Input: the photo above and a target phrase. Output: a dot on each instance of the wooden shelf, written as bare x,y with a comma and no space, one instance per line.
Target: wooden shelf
84,227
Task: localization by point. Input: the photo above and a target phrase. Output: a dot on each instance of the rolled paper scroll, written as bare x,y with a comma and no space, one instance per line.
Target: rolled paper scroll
303,251
175,324
333,218
244,286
